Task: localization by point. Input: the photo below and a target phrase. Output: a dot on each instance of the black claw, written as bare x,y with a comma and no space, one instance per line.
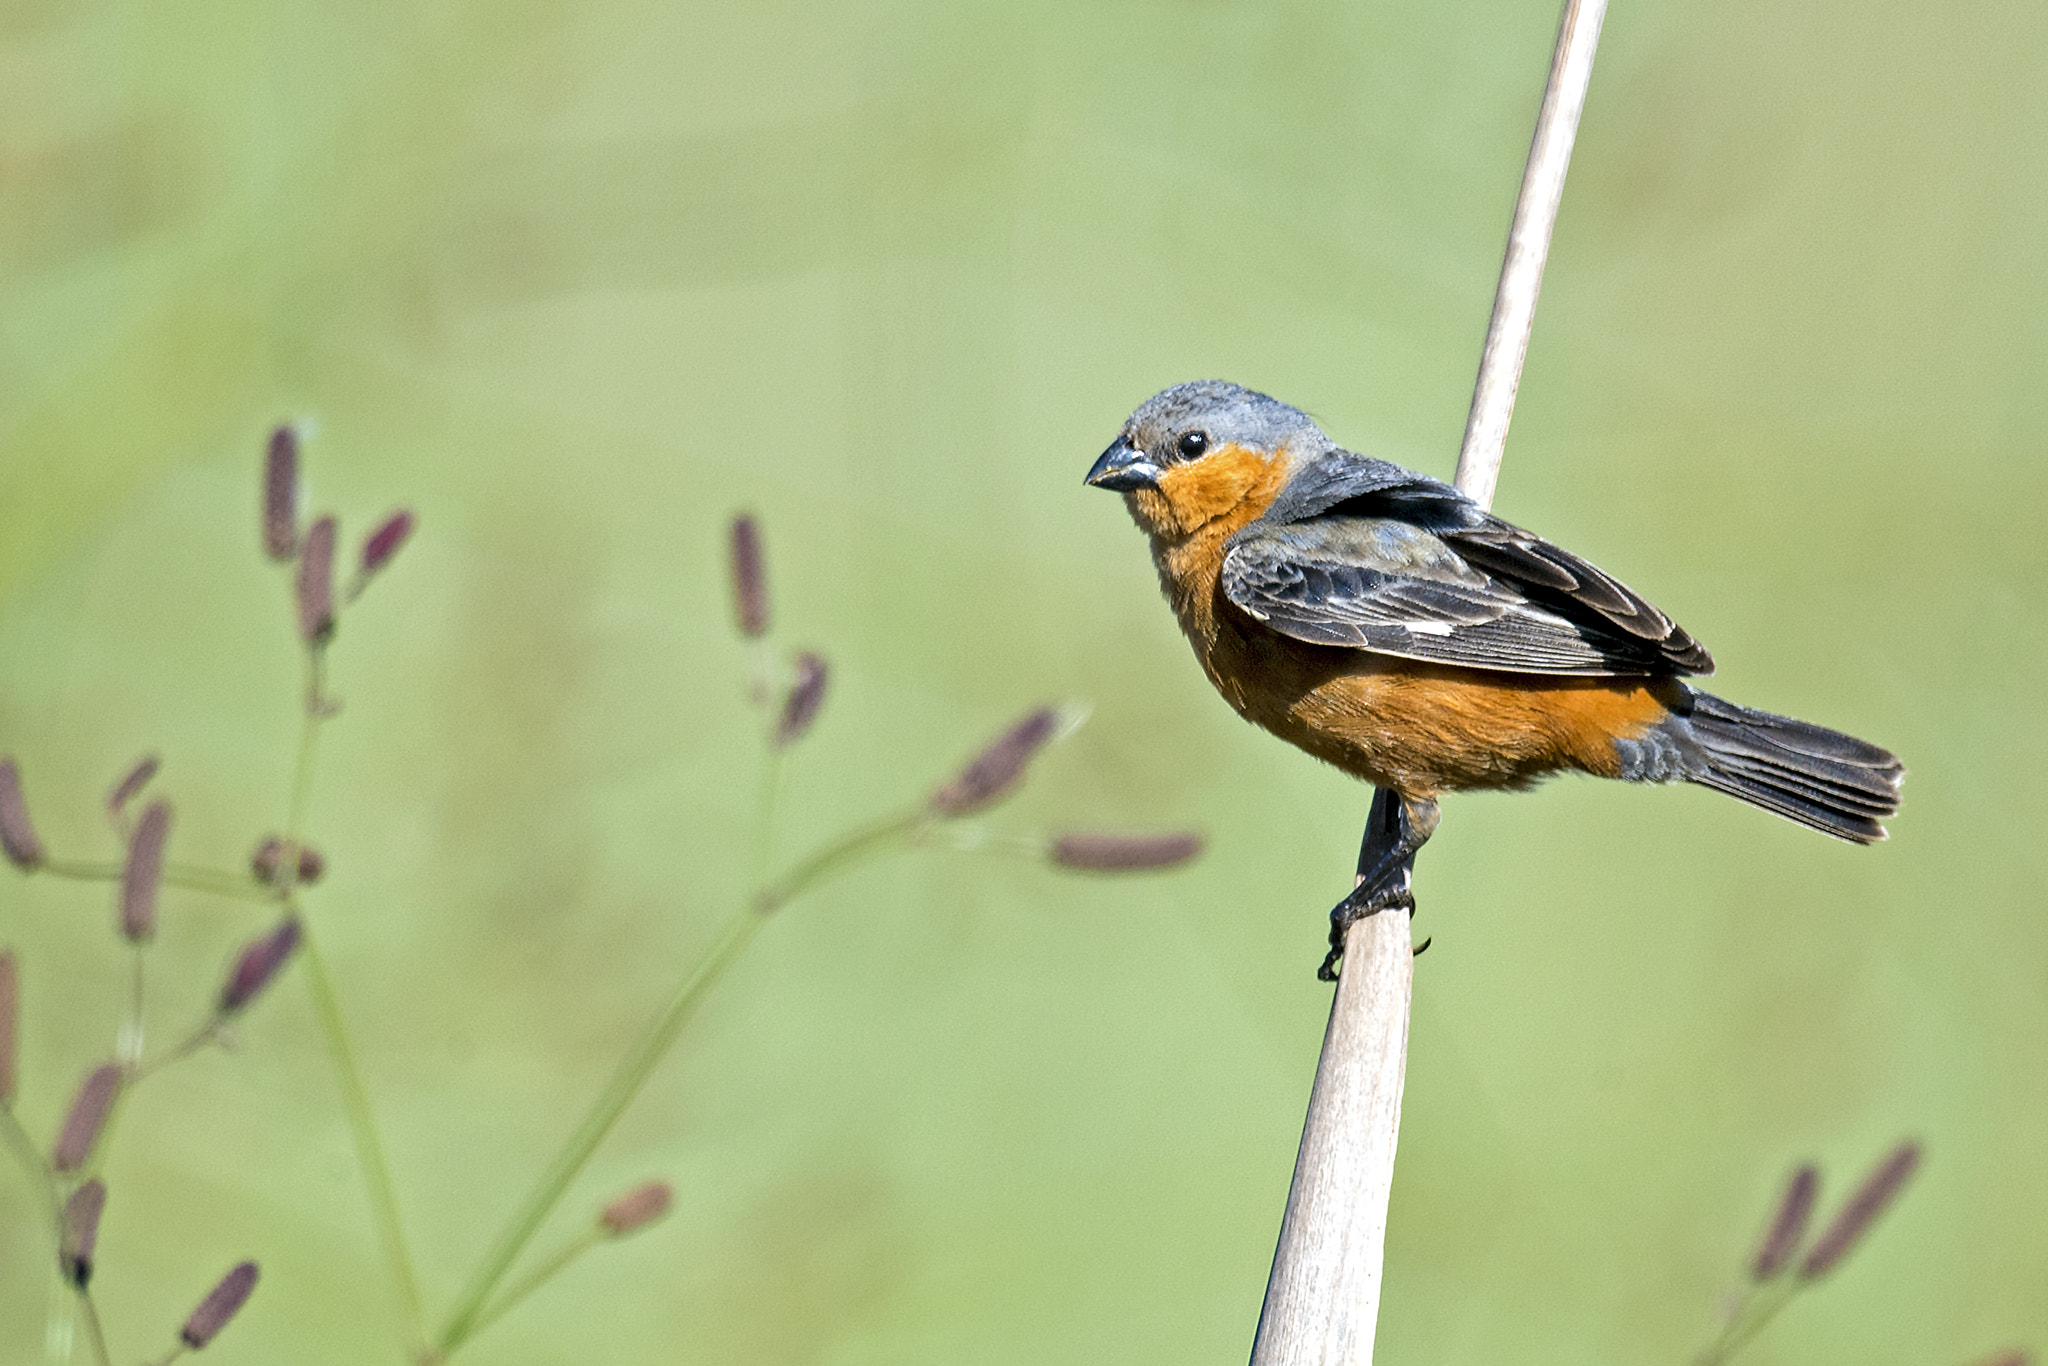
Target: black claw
1366,901
1395,829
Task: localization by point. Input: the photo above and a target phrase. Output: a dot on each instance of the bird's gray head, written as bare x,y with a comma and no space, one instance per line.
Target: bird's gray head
1199,450
1188,421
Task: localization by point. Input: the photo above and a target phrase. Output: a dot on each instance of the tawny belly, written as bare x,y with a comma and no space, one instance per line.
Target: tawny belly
1429,728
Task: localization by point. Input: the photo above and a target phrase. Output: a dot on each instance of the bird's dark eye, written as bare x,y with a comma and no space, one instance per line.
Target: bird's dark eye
1192,444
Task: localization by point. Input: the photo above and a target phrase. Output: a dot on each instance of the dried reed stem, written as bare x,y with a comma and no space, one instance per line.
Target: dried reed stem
1521,271
1322,1300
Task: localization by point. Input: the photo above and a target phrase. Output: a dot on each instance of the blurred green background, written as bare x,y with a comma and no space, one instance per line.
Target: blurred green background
577,280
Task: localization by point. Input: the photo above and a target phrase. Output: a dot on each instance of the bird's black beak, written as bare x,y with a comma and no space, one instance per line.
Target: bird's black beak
1124,467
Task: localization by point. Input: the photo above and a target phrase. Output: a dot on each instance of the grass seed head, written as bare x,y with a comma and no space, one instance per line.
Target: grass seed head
992,774
281,494
222,1303
316,582
749,577
1860,1211
85,1119
143,873
17,834
1103,853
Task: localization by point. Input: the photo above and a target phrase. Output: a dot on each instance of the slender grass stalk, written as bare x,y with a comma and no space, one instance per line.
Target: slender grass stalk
315,711
1752,1316
626,1083
653,1045
60,1319
145,1068
355,1096
66,1301
362,1123
33,1165
95,1334
902,830
128,1047
556,1263
191,877
1322,1301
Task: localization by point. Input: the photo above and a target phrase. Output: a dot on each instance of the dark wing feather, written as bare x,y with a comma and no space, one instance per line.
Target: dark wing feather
1546,571
1469,590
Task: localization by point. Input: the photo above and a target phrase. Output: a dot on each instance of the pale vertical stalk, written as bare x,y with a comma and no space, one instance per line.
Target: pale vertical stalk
1322,1300
1521,271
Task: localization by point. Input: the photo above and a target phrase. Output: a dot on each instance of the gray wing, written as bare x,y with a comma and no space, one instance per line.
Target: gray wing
1468,589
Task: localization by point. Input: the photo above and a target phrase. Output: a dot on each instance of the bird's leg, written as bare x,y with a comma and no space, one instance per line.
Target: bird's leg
1397,826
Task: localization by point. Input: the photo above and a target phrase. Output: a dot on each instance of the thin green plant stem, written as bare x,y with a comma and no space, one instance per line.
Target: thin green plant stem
761,676
128,1047
640,1060
65,1297
362,1123
60,1319
556,1263
355,1095
94,1333
653,1045
145,1068
190,877
33,1165
978,839
315,711
1751,1317
902,830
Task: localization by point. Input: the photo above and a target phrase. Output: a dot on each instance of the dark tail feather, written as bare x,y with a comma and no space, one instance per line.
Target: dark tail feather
1833,782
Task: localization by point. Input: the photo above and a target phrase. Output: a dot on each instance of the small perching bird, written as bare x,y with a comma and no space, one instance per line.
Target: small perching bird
1386,623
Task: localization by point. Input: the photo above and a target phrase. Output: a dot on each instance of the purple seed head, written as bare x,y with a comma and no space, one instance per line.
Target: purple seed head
17,835
1102,853
88,1114
132,782
143,873
991,774
80,1229
316,582
259,962
749,577
267,859
281,494
380,545
266,863
806,695
1862,1209
222,1303
637,1208
1787,1228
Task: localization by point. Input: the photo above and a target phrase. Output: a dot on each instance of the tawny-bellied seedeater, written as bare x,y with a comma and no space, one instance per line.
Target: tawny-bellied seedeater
1386,623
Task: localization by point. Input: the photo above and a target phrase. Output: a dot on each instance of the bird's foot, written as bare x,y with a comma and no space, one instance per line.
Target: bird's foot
1397,826
1366,901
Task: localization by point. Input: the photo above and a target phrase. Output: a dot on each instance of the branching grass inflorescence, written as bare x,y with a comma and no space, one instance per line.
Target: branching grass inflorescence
1784,1245
789,698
